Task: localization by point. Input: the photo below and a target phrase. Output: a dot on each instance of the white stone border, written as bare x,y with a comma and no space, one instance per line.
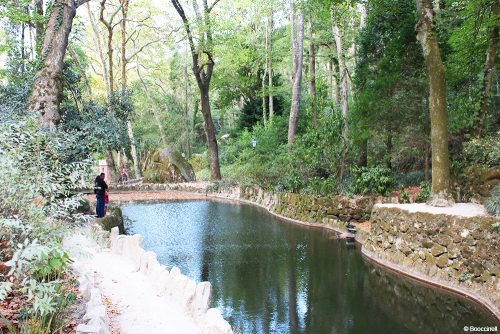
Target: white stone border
95,320
194,299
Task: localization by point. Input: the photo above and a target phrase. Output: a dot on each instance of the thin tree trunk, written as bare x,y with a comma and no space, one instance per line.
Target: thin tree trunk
437,96
389,146
133,150
264,111
48,85
297,51
343,77
156,114
98,41
489,66
39,22
269,32
363,154
312,73
186,110
78,64
124,62
335,83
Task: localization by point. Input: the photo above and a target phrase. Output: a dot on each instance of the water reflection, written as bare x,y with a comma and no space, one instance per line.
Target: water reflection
273,277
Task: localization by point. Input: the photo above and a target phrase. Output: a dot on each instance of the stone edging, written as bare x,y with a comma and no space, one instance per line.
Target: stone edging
370,256
192,298
95,320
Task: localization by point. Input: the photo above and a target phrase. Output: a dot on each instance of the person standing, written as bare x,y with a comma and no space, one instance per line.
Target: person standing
100,189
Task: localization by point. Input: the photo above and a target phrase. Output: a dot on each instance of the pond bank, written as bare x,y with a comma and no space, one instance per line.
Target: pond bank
128,292
333,213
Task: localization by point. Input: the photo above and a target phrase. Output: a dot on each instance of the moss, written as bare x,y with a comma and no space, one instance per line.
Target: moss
114,219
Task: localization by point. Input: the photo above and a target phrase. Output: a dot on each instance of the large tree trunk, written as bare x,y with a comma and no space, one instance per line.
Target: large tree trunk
213,149
269,32
312,73
203,74
437,97
48,85
489,66
297,51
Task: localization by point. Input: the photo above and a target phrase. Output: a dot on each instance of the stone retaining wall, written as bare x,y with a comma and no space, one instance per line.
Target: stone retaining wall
458,251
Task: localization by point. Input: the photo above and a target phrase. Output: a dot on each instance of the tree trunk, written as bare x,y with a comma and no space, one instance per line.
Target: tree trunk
39,22
312,74
437,97
389,146
269,31
489,66
133,150
124,62
342,78
109,27
297,51
203,75
48,85
264,112
213,149
363,153
102,58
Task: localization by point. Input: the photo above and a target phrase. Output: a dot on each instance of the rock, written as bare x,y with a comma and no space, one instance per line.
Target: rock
453,252
169,166
444,240
437,250
429,259
442,261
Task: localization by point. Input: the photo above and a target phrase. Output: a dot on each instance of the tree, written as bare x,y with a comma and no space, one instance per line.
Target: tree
47,91
203,65
489,65
297,42
427,36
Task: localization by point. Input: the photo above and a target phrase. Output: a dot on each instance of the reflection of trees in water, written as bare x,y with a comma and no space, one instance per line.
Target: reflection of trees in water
273,277
410,302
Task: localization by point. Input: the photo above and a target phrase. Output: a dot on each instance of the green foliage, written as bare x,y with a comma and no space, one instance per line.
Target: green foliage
463,277
404,180
492,204
40,172
376,179
424,195
483,152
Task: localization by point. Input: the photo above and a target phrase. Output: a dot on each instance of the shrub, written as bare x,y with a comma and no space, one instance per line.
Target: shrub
492,204
409,179
424,195
376,179
40,172
483,151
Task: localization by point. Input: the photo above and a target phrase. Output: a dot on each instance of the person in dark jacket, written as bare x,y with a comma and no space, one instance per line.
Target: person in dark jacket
100,189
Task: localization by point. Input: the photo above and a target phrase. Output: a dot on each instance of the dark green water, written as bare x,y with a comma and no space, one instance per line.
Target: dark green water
274,277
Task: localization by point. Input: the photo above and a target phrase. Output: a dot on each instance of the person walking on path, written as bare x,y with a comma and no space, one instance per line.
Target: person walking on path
100,189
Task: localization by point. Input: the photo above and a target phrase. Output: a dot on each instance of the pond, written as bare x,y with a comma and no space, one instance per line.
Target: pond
270,276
